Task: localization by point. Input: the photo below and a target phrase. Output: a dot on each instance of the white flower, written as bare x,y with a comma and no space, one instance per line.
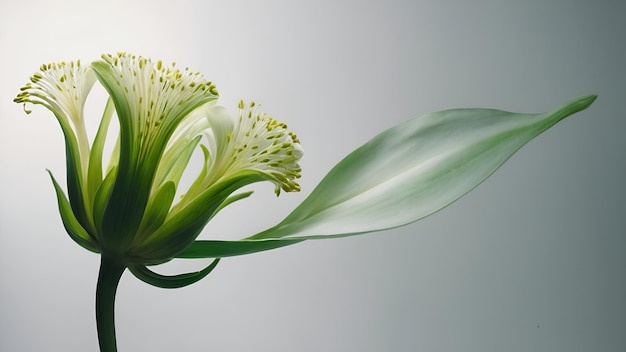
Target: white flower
165,113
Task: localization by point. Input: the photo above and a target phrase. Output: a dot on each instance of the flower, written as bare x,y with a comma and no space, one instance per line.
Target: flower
128,211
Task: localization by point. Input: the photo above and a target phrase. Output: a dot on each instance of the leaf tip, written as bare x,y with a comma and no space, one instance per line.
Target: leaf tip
586,101
581,103
572,107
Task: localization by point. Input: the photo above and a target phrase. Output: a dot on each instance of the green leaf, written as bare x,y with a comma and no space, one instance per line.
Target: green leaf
219,249
196,187
402,175
176,281
415,169
76,231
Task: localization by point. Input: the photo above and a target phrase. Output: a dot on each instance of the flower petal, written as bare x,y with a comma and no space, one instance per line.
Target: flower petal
151,100
254,141
63,88
254,144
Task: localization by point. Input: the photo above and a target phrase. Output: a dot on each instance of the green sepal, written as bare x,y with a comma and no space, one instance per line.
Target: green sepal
101,198
197,187
94,174
175,161
157,209
181,229
225,203
166,281
232,199
73,227
73,165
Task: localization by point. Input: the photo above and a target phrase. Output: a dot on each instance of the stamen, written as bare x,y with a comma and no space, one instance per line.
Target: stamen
157,93
258,134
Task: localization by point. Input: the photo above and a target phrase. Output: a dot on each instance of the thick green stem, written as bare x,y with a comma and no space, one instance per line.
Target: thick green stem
110,273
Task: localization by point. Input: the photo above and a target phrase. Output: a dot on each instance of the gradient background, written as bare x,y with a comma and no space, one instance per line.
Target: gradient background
532,260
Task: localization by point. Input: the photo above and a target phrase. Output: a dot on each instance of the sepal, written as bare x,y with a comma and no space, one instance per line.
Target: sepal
180,229
76,231
174,281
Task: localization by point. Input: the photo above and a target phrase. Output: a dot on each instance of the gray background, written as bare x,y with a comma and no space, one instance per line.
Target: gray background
532,260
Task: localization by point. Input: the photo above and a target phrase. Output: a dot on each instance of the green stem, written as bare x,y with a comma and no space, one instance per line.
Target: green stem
110,273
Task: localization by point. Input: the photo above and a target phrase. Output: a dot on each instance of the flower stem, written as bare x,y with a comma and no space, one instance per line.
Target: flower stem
110,273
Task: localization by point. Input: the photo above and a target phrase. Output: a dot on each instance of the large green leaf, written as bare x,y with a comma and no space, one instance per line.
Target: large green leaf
402,175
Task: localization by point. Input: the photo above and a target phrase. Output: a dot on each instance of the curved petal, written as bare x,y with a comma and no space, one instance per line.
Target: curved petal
220,126
62,88
151,100
255,142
